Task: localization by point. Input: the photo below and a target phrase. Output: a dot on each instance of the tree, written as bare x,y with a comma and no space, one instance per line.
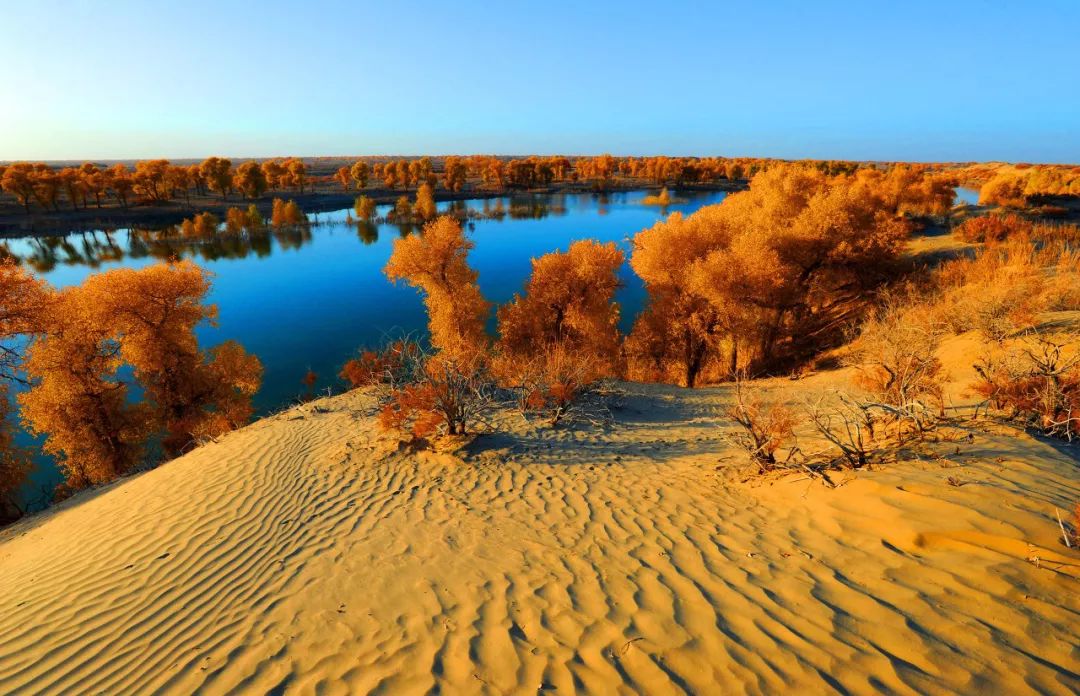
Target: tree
568,302
425,203
250,179
296,172
562,334
22,298
18,180
286,214
121,183
217,172
359,174
149,179
191,393
144,319
275,173
77,401
435,263
454,173
771,273
364,208
403,174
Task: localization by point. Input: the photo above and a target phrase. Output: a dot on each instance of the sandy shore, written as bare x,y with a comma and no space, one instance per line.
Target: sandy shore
302,555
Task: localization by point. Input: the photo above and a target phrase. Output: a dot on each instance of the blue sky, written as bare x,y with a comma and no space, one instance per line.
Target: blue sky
963,80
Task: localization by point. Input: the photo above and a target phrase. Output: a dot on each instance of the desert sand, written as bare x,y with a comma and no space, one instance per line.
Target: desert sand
305,554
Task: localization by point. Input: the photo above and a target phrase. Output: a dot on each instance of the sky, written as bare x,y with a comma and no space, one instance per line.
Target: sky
865,79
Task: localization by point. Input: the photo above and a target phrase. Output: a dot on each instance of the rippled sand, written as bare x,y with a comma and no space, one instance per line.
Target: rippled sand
301,555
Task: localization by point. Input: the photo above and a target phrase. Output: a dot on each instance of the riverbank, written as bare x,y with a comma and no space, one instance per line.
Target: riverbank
16,222
307,550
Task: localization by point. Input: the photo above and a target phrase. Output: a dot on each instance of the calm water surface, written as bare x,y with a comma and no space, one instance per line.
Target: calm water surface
967,196
311,299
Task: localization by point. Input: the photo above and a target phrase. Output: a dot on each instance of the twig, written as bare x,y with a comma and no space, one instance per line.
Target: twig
1062,525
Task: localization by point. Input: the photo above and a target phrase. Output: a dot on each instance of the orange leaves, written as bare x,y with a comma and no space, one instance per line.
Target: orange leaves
568,301
435,263
388,366
425,209
444,396
250,179
286,214
764,268
562,334
144,319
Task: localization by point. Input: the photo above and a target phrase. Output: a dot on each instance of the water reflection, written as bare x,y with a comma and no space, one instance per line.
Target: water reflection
94,248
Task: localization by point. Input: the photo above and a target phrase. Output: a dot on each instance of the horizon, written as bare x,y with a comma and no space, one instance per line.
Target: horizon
869,83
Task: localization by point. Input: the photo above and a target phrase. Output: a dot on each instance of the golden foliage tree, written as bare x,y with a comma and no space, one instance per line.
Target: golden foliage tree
765,274
78,402
359,173
435,262
250,179
364,208
568,301
144,319
22,299
455,172
217,171
193,393
425,208
562,334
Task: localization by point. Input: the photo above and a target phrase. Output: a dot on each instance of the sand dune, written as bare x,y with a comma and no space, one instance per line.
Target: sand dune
302,555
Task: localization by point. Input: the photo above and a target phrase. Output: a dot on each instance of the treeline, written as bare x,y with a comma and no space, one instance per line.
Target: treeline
764,279
159,180
1017,186
151,181
90,348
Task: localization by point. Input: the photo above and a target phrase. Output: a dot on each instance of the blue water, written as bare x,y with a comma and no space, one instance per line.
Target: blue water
967,196
311,300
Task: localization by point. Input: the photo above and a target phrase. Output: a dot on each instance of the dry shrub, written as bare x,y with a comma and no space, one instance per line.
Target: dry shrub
848,425
447,395
766,427
992,228
1037,384
553,383
999,291
896,362
389,366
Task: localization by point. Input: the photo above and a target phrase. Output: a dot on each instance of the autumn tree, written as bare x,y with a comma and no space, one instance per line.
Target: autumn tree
435,262
286,214
425,208
22,299
364,208
18,180
568,300
78,402
454,173
145,320
218,174
275,174
343,177
121,183
562,334
149,179
767,274
296,173
359,173
202,226
250,179
191,393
